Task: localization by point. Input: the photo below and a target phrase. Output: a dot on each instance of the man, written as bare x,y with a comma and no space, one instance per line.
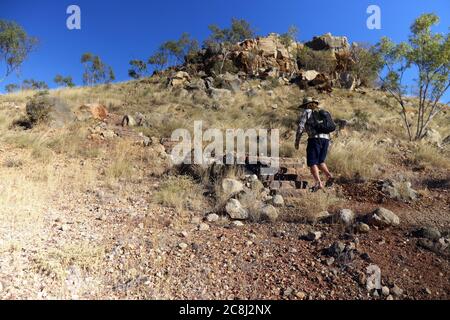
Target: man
317,148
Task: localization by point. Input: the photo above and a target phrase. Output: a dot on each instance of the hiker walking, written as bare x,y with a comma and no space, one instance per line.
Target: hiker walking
318,124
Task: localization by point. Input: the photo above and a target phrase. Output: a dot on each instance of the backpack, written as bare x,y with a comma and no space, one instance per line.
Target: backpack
322,122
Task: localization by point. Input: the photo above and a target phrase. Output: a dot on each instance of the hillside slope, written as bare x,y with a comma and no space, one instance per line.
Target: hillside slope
92,209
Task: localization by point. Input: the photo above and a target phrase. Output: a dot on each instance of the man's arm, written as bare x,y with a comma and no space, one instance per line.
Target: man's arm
301,127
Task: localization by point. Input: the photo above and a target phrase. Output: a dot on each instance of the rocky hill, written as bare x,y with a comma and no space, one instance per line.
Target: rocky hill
92,206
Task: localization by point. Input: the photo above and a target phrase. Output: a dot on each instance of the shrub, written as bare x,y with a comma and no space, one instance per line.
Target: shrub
321,61
39,107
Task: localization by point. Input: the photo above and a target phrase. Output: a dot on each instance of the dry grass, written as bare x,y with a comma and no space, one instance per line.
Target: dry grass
357,157
181,193
309,206
429,155
55,262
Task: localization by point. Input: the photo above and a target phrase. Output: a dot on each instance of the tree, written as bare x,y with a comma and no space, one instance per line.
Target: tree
426,53
223,39
239,31
290,36
64,81
366,63
12,87
138,69
95,71
15,45
174,52
31,84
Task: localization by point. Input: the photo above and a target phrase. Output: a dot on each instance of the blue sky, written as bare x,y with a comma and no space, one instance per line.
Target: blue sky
119,31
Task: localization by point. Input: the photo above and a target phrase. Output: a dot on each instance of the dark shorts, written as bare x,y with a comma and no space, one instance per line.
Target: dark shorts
316,151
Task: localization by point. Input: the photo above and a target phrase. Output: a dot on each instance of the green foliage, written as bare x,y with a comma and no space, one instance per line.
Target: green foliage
64,81
239,31
174,52
38,108
95,70
321,61
138,69
15,45
367,64
31,84
12,87
290,36
426,53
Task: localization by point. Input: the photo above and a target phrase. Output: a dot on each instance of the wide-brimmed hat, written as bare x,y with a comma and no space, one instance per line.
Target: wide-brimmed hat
307,101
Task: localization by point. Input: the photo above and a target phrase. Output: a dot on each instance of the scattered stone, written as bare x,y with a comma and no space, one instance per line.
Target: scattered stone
313,235
300,295
274,106
382,218
196,220
278,201
287,292
269,213
235,210
212,217
396,291
385,291
203,227
336,249
330,261
182,245
237,224
427,291
184,234
361,227
346,216
390,298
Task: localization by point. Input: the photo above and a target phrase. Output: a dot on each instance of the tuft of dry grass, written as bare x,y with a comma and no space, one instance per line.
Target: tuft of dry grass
56,261
309,206
429,155
181,193
357,157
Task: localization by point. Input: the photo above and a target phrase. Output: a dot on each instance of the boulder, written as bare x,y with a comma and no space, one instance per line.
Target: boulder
230,82
361,227
219,94
91,110
346,216
329,42
180,78
268,46
235,210
428,233
269,213
433,136
382,218
212,217
230,187
196,84
278,201
309,75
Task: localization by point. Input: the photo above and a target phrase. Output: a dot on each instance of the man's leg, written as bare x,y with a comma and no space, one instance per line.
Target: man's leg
315,173
323,167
